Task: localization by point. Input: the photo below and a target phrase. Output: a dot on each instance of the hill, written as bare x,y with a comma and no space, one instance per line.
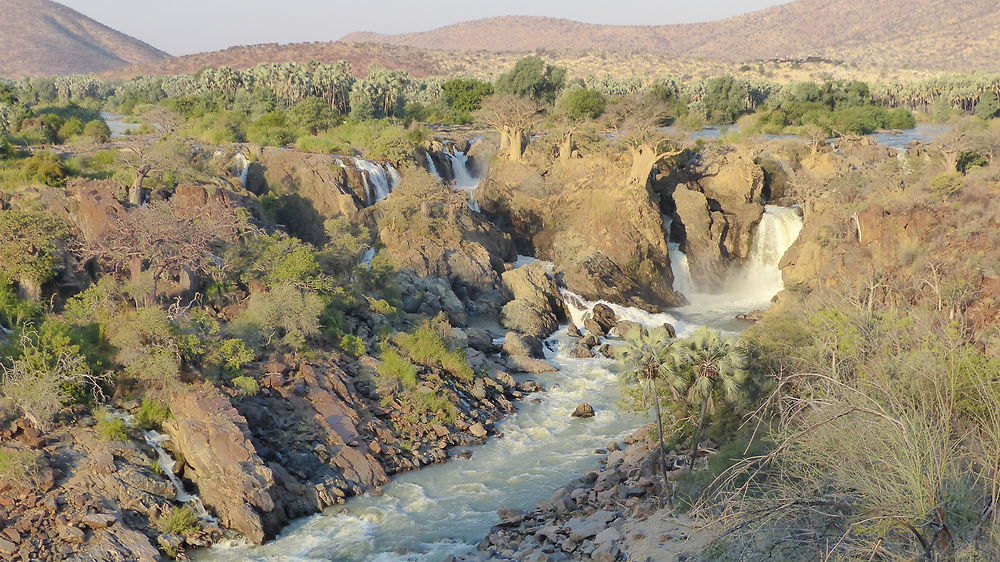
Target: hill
43,38
924,34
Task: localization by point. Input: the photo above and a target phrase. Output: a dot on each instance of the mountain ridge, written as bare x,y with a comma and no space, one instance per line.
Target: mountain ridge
930,34
44,38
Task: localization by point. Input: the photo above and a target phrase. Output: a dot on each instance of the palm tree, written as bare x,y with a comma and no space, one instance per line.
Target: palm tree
715,366
652,358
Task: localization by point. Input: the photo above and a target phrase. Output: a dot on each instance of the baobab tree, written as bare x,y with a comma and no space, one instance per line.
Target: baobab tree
512,117
166,237
635,121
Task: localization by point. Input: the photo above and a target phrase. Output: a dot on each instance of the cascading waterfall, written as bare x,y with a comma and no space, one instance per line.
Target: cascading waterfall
431,166
380,179
777,231
166,463
242,168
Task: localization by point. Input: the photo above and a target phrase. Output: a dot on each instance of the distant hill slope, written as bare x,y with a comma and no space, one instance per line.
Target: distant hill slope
958,35
43,38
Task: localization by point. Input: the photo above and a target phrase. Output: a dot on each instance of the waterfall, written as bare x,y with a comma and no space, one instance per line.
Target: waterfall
166,463
683,283
380,179
242,168
580,308
464,181
431,166
367,257
760,279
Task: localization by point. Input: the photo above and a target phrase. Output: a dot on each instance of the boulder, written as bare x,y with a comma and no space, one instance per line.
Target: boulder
517,345
233,481
583,411
627,328
605,317
522,364
536,307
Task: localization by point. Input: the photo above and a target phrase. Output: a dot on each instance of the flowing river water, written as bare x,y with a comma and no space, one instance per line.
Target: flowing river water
446,509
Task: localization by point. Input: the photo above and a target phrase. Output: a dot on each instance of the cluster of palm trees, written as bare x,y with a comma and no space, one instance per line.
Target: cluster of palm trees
696,371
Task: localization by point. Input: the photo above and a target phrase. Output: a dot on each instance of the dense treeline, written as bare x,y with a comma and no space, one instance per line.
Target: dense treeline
389,93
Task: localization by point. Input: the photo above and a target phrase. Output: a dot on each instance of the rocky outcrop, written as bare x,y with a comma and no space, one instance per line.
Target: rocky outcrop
704,233
468,251
430,296
233,481
315,187
536,307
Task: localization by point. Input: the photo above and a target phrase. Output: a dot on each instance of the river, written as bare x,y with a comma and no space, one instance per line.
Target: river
446,509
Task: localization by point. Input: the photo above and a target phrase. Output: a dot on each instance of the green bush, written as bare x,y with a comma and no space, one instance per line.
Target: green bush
947,183
19,467
465,94
971,159
246,386
71,128
235,353
97,131
427,347
151,414
286,313
109,428
393,367
178,521
47,168
353,346
581,103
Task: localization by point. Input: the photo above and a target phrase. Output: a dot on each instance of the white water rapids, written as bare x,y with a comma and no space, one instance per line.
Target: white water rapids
464,179
446,509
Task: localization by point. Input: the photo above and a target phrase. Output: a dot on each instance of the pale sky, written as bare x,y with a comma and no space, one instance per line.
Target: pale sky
182,27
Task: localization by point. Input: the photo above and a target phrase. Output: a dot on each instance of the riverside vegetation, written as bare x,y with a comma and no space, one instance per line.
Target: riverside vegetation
274,294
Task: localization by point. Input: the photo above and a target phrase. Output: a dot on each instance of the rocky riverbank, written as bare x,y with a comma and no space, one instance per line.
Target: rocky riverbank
603,515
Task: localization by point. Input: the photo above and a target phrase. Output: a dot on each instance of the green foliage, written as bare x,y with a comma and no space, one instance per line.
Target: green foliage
427,346
465,94
581,104
971,159
393,368
352,345
19,467
151,414
532,78
46,167
725,99
147,343
178,521
72,127
97,130
312,114
246,386
347,242
274,259
988,106
235,353
947,183
271,129
109,428
16,312
396,372
29,242
285,314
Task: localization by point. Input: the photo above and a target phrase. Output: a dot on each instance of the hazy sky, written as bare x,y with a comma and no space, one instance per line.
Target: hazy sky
190,26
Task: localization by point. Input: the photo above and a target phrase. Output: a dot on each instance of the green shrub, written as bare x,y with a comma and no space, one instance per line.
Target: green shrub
381,306
969,160
97,131
286,313
427,347
151,414
71,128
465,94
155,468
109,428
581,103
353,346
47,168
178,521
393,367
246,386
947,183
235,354
321,145
19,467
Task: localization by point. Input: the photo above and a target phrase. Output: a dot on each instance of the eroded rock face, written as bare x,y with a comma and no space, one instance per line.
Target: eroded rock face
471,252
536,308
704,232
316,189
233,481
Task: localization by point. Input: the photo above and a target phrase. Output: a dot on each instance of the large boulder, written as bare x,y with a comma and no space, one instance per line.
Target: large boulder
703,234
517,344
233,481
536,307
